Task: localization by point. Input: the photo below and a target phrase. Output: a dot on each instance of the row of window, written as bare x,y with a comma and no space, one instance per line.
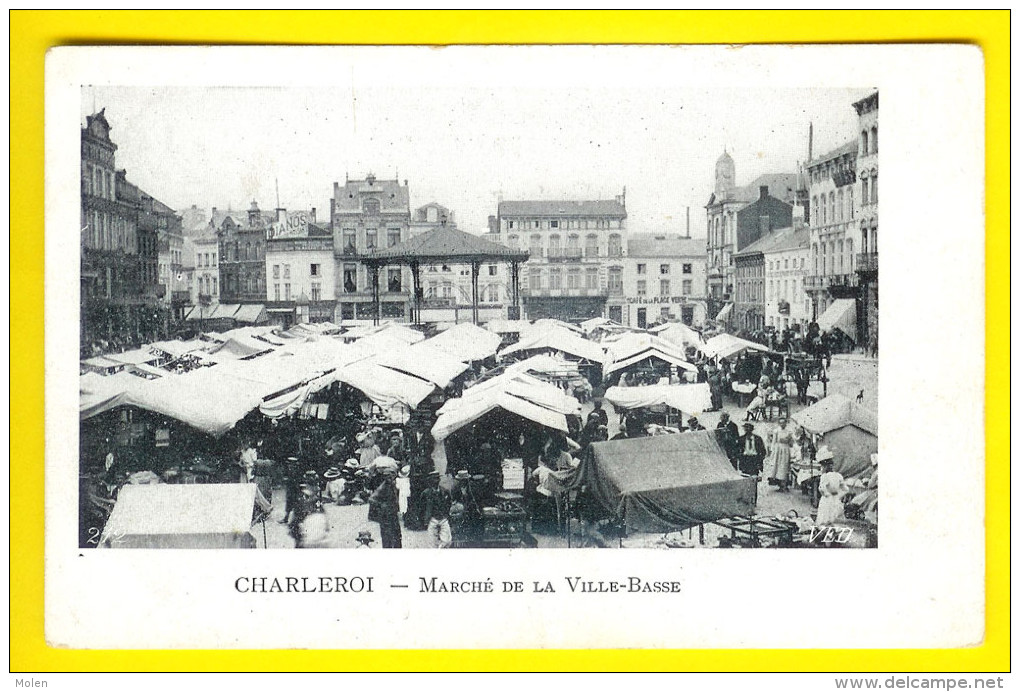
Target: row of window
686,287
553,278
489,293
98,182
665,268
104,231
869,141
750,291
785,289
833,257
207,285
316,292
250,284
774,264
236,252
536,245
579,224
314,269
349,238
207,259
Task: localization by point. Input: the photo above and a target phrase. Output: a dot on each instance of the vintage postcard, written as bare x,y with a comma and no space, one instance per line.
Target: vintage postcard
515,347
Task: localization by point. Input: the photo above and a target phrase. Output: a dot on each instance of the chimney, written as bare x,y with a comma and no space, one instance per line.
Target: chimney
763,191
313,215
810,141
688,222
493,228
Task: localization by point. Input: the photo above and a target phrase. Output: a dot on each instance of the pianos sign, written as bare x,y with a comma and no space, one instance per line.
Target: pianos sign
293,225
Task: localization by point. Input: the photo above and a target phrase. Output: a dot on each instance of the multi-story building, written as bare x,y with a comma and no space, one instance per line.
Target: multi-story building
367,215
242,254
206,285
867,259
833,227
726,201
117,304
577,249
300,273
170,240
664,280
786,257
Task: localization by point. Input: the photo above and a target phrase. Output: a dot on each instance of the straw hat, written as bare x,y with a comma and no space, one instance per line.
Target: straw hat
351,463
386,464
331,473
463,475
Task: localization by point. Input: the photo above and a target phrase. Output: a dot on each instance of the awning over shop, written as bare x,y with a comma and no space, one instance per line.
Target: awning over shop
666,482
724,313
181,516
466,342
690,398
252,314
842,315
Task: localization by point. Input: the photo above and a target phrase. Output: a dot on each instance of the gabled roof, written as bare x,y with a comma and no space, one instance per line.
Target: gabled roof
846,148
798,239
836,411
664,245
599,207
767,242
449,244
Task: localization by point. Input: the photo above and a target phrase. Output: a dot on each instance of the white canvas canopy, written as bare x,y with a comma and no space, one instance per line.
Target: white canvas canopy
691,398
508,326
181,516
177,348
544,364
634,348
425,361
466,342
557,339
134,357
240,346
523,386
842,315
470,410
727,346
679,334
99,393
385,387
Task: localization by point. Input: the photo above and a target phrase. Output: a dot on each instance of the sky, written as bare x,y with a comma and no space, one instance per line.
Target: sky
465,147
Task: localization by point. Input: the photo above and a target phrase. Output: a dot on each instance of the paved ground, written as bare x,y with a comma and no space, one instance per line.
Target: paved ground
848,376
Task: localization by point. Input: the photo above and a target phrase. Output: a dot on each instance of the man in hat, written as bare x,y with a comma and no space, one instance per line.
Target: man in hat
728,434
600,413
384,504
438,501
291,484
693,424
751,452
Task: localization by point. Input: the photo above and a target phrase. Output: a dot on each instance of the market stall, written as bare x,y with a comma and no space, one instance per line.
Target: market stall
182,516
663,404
664,483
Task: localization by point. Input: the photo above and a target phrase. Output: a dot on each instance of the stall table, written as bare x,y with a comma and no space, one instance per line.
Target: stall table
757,528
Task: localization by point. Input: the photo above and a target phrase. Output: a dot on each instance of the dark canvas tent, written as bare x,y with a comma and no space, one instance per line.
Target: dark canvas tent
667,482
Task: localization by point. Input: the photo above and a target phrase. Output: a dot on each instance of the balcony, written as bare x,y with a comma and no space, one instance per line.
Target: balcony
570,254
867,262
567,292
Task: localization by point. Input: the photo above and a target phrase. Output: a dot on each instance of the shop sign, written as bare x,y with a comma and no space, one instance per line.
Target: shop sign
656,300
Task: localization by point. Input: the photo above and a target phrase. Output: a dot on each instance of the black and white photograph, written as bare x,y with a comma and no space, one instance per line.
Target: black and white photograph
418,300
505,351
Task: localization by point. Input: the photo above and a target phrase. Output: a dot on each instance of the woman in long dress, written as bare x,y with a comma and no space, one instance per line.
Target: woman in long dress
782,439
831,488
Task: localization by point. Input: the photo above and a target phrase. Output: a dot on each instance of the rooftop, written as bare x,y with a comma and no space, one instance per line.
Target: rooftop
449,244
779,240
847,148
552,207
664,245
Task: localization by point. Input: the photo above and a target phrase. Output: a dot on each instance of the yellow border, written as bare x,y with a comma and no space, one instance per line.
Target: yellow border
33,32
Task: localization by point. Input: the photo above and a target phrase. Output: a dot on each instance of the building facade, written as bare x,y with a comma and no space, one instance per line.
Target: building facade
301,275
786,259
833,227
722,237
867,200
242,254
119,298
664,280
577,250
366,215
206,285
